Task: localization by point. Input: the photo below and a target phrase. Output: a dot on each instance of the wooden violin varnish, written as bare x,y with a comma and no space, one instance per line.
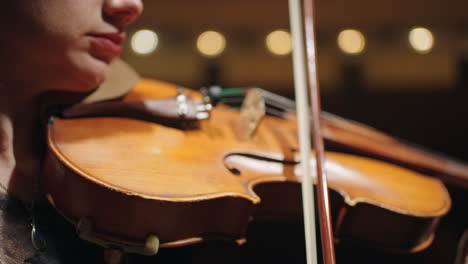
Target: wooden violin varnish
137,181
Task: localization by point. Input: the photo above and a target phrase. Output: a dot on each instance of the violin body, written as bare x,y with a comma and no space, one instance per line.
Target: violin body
133,179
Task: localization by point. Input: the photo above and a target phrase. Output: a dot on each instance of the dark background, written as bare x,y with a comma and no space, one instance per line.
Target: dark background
419,98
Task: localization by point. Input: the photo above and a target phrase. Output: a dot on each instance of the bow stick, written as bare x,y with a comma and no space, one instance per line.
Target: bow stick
300,83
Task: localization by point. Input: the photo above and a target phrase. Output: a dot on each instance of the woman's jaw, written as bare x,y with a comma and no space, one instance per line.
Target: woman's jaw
63,44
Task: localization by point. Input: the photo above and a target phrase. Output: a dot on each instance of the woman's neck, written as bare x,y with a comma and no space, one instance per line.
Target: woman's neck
19,144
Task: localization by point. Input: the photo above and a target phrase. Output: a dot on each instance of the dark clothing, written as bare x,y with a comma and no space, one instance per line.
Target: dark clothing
63,246
15,242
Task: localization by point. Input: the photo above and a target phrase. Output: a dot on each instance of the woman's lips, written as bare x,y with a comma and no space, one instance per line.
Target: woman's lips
107,46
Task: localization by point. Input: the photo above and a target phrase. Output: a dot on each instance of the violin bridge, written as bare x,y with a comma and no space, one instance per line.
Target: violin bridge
252,112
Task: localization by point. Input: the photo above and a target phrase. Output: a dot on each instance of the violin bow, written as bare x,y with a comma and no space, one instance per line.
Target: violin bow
300,83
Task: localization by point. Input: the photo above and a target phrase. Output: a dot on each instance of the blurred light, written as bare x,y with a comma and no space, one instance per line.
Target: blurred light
279,42
144,42
421,40
211,43
351,41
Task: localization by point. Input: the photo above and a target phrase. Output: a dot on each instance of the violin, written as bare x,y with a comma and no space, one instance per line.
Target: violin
139,185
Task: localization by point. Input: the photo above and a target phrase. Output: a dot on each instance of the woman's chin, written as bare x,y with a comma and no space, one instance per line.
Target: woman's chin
90,73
